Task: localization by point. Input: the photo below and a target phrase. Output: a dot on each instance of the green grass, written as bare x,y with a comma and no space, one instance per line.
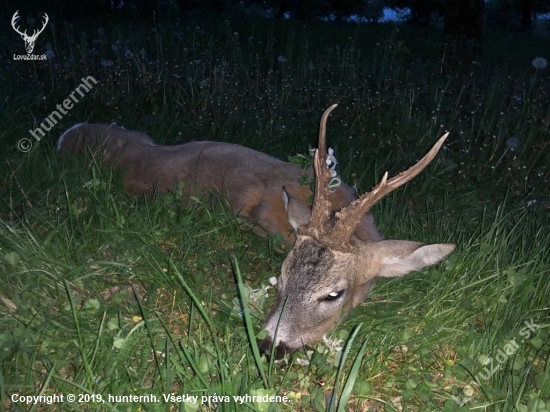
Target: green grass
104,294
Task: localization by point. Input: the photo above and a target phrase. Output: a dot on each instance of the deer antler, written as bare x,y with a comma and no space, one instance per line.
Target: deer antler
13,22
349,217
320,213
46,20
35,32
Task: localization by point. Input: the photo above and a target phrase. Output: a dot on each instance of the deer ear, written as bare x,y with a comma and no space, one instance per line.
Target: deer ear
297,213
400,257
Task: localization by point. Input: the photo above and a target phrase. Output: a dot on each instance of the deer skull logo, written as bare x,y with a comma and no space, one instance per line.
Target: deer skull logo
29,40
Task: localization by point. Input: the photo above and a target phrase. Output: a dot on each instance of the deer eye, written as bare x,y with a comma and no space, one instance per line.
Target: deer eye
333,296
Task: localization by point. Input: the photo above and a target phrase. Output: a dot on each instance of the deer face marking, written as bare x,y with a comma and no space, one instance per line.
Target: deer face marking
314,293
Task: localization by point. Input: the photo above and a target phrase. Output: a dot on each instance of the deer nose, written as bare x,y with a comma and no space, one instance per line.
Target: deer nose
281,349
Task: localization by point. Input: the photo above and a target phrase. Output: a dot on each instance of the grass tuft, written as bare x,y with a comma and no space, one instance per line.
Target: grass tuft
106,294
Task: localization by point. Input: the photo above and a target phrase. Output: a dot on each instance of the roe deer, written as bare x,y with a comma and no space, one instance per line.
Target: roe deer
338,253
251,181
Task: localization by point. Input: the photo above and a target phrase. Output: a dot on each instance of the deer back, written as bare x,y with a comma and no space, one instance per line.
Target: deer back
251,181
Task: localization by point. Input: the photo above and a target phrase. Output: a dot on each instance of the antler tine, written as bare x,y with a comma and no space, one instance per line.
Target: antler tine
349,217
320,213
35,32
46,20
14,22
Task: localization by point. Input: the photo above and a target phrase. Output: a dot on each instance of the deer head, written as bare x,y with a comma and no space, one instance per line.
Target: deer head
29,40
329,270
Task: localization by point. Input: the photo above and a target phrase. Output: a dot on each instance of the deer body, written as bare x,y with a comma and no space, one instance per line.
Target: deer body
338,253
250,180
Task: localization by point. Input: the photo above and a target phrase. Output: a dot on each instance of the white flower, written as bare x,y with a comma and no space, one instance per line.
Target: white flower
468,390
333,344
273,280
282,58
128,54
304,361
539,63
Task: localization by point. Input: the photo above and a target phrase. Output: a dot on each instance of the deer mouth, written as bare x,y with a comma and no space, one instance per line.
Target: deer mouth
280,351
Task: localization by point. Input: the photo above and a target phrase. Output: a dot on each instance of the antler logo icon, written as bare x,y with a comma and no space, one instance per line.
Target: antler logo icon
29,40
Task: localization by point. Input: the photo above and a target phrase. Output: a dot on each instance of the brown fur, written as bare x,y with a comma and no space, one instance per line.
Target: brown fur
251,181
